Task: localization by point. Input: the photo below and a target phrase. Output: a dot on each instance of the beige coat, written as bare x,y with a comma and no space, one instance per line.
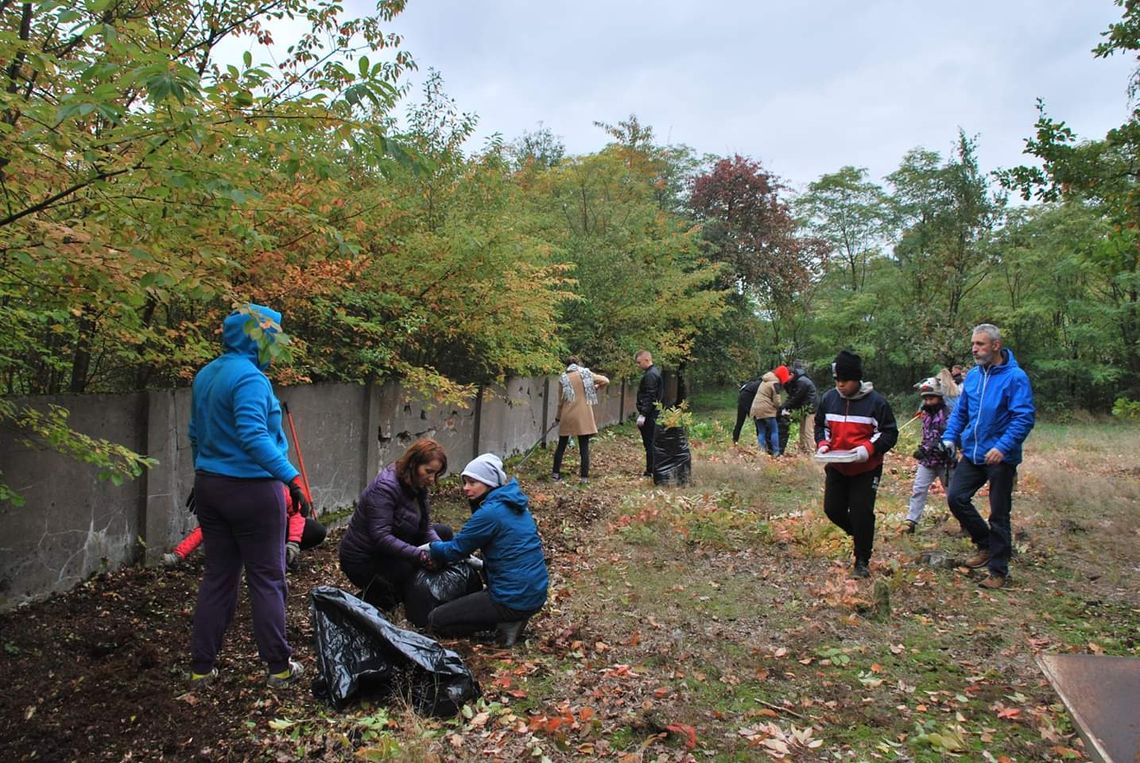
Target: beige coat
766,404
577,418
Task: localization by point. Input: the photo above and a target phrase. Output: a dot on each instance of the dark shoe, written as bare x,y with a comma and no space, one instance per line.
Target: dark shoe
980,559
647,474
993,582
287,677
910,525
507,634
860,570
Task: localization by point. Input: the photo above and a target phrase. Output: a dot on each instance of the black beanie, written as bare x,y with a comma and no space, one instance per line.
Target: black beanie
847,367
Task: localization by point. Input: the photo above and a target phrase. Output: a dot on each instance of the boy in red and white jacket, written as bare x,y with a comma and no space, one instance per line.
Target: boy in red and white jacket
853,417
302,533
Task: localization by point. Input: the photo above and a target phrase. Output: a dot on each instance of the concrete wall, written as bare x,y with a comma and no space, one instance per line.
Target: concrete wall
73,524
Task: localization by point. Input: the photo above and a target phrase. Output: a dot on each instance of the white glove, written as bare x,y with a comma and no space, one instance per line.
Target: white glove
475,562
950,449
640,421
424,547
292,553
171,559
823,448
861,454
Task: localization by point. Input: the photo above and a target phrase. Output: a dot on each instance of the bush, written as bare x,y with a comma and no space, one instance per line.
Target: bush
1124,408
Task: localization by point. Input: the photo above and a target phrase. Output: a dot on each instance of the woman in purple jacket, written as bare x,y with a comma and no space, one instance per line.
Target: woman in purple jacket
379,550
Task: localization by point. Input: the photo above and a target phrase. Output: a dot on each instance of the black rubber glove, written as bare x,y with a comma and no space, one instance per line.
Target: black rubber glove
297,495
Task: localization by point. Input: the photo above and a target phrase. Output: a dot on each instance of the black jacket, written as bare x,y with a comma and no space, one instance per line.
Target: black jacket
801,393
651,390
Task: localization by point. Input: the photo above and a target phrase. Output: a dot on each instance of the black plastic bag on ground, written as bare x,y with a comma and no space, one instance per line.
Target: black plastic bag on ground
362,654
427,590
672,461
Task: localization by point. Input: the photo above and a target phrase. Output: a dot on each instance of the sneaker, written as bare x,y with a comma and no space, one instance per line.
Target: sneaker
860,570
286,677
993,582
202,680
556,477
583,480
507,634
980,559
910,525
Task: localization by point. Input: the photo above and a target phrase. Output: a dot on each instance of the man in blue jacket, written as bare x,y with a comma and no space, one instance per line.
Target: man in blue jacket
994,416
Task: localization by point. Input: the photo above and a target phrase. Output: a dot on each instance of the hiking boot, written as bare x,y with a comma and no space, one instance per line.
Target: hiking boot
860,570
993,582
202,680
507,634
286,677
979,559
910,525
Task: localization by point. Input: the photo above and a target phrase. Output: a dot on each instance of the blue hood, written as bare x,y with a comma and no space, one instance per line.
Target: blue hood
511,496
234,331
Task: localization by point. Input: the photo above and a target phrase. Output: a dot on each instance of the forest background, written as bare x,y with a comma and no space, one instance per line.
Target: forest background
149,186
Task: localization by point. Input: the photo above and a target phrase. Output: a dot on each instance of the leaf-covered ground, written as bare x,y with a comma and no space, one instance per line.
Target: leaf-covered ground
712,622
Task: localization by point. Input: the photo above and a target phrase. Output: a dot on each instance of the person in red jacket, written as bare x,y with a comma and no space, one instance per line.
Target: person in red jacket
302,533
857,422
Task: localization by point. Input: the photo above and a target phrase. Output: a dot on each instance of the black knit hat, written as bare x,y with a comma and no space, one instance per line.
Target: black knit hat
847,366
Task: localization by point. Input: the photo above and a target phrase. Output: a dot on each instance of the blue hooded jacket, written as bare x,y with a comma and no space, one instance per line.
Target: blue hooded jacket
235,419
995,410
513,561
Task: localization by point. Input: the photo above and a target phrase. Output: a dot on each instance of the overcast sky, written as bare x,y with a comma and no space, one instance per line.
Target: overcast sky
804,87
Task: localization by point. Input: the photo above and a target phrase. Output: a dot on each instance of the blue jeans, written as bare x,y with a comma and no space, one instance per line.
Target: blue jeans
994,536
768,430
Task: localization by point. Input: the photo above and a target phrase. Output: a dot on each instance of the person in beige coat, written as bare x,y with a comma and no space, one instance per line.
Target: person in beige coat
578,394
765,407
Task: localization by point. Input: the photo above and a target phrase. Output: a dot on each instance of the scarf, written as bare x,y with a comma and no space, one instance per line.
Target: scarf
587,384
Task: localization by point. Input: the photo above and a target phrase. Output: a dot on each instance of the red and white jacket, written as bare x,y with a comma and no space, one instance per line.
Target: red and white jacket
293,532
864,419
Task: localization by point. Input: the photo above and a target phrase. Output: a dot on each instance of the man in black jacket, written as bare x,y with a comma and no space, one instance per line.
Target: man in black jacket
743,405
650,391
801,401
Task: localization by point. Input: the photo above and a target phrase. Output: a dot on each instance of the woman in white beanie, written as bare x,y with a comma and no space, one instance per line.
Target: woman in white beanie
513,562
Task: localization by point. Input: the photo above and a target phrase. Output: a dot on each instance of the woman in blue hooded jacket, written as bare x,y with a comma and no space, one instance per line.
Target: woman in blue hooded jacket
513,562
240,460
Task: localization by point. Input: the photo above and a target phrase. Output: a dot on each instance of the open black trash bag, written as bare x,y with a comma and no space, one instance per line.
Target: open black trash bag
361,653
672,461
427,590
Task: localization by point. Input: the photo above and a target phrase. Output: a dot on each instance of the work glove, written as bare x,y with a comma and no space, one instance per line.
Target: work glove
475,562
640,421
950,449
171,559
191,502
292,554
861,454
823,448
297,495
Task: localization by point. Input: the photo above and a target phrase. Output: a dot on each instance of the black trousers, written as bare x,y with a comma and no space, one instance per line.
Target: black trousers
849,503
583,449
994,536
470,614
648,433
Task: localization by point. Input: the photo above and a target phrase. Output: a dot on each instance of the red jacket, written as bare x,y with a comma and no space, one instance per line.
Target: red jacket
845,423
293,535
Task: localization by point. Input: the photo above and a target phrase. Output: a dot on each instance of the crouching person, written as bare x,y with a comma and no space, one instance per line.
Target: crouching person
513,563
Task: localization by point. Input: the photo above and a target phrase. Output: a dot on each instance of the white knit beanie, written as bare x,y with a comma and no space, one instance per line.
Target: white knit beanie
488,469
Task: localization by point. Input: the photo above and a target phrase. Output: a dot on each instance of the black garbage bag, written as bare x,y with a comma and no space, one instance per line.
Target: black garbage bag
672,461
362,654
784,427
427,590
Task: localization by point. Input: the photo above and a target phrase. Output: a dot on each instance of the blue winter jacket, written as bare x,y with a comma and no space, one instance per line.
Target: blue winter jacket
995,411
235,419
513,561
